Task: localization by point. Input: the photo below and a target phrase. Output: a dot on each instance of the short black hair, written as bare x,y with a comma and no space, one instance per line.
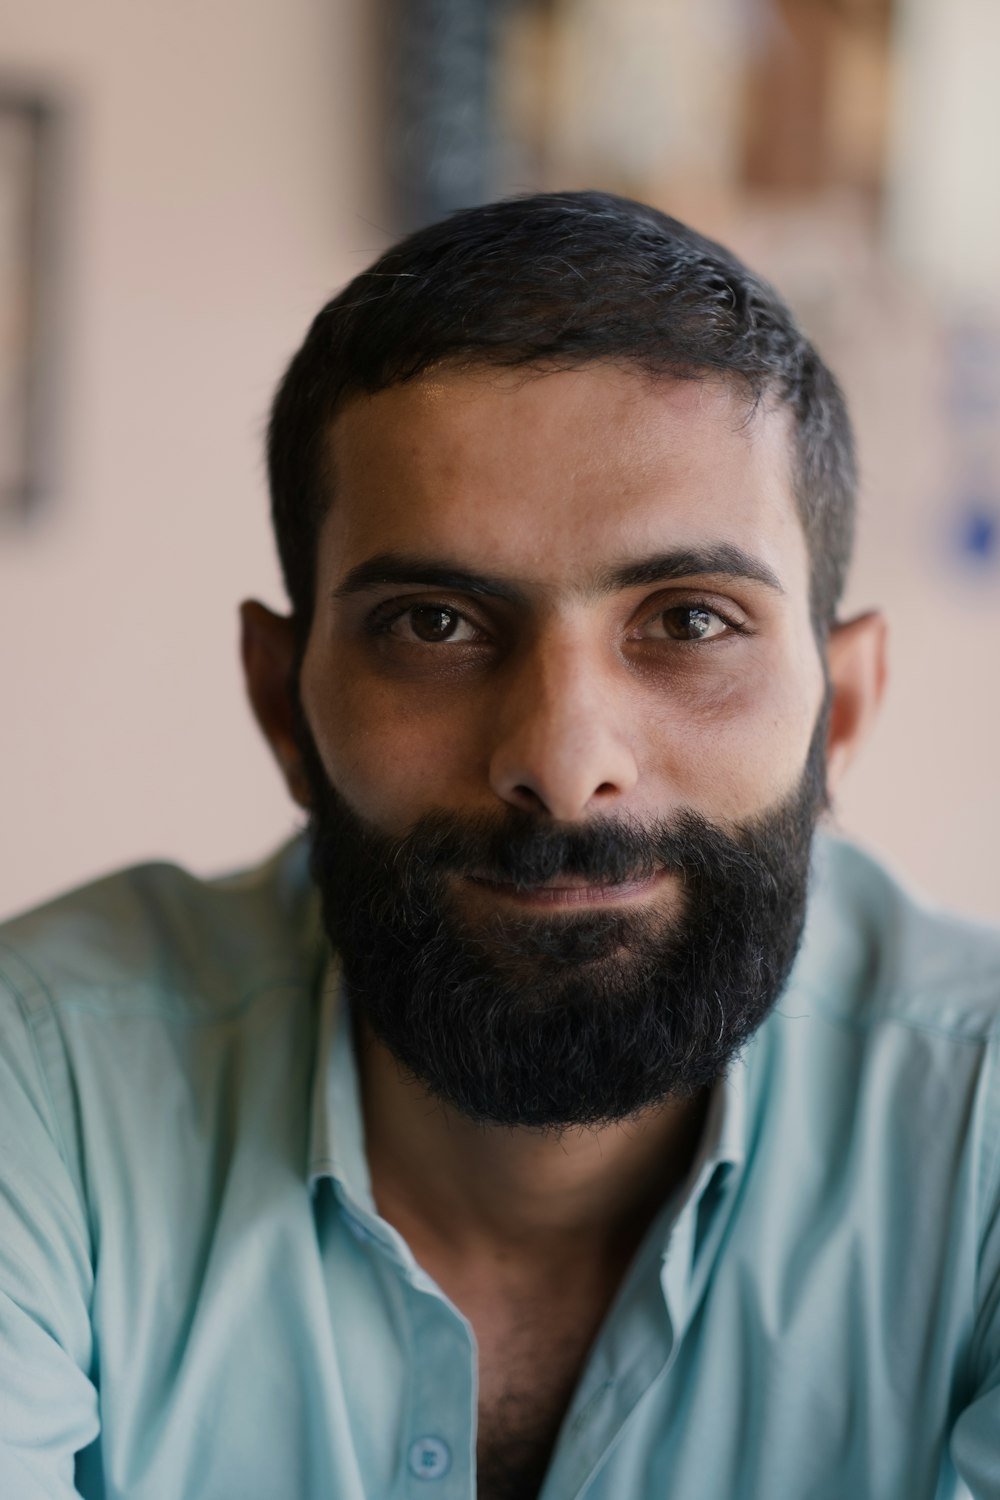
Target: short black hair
558,280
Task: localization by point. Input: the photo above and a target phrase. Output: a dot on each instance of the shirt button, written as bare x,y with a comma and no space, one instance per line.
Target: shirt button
429,1458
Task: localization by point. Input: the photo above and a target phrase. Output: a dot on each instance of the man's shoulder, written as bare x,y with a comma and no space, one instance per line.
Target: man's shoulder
875,951
156,937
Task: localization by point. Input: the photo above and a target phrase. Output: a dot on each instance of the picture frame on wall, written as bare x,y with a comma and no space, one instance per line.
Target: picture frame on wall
27,135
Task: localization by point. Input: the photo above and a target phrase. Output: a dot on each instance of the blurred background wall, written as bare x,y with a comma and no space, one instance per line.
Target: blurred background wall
212,171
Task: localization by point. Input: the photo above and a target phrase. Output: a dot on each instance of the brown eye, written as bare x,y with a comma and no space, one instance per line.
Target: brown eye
687,622
430,622
427,624
433,625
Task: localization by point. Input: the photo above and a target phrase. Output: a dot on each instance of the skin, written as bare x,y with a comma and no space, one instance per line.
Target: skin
567,697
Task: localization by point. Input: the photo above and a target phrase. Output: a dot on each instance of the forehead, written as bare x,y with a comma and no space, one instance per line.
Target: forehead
549,476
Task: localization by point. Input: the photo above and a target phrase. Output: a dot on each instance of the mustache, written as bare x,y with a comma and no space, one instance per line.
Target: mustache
523,851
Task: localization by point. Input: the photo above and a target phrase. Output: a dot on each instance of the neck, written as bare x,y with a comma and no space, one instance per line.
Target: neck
485,1189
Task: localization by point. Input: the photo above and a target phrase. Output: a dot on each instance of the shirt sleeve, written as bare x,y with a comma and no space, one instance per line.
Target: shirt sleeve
975,1438
48,1402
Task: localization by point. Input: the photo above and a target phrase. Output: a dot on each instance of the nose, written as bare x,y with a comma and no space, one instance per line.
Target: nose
561,741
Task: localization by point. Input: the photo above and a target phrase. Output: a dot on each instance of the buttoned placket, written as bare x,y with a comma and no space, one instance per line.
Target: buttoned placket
436,1459
436,1439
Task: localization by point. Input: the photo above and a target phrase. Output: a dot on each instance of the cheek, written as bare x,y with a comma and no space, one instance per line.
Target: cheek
736,749
391,755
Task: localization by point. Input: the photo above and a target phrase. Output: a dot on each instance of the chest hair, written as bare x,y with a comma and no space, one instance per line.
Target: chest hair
528,1371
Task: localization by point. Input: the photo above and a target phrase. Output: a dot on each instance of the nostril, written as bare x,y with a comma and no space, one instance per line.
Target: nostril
529,798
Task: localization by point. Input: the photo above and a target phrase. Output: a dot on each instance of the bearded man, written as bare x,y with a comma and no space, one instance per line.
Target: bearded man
558,1117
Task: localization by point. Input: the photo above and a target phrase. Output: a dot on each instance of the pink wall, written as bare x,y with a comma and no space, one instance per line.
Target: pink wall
222,170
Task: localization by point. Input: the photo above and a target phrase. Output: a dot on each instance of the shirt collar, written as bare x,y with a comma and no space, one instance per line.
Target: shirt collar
337,1132
729,1146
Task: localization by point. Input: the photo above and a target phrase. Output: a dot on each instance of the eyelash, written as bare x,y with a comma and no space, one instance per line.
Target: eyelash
733,625
385,615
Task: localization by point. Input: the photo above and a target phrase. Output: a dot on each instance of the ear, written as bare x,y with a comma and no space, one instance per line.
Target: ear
267,645
856,657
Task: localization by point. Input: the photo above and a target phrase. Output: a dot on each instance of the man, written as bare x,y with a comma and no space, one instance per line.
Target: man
601,1137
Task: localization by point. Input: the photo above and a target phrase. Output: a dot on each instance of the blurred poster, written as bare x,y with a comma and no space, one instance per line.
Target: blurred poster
24,125
441,133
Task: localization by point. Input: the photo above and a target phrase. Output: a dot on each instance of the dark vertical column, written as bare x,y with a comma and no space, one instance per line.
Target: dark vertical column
27,162
441,129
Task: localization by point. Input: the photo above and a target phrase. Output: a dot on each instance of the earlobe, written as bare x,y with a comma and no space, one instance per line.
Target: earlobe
267,646
856,657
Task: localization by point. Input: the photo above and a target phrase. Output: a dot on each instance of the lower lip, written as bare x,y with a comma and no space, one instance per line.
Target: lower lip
571,895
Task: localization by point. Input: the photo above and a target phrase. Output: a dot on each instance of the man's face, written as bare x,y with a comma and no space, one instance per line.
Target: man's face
566,693
560,679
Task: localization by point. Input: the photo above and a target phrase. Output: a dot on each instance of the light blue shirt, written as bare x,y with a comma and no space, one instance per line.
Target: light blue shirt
199,1300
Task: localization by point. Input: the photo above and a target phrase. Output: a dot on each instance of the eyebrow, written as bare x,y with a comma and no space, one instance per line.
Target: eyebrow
410,568
721,559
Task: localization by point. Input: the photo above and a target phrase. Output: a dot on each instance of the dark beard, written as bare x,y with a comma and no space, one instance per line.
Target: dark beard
564,1020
